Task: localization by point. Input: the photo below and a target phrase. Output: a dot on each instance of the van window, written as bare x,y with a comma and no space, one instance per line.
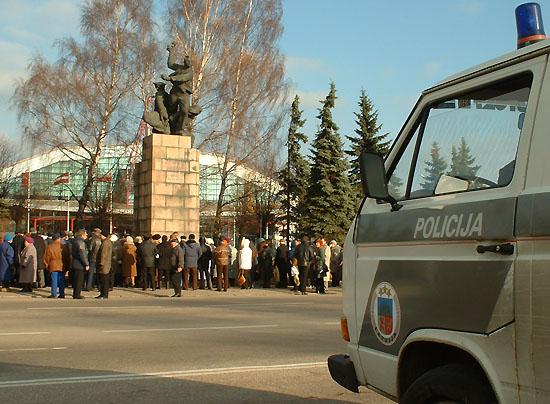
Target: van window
397,183
470,141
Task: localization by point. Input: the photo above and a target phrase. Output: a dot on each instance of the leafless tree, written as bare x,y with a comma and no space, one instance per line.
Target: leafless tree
239,77
9,153
266,195
94,94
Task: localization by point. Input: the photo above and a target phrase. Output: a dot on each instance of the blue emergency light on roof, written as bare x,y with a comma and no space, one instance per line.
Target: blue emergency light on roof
529,24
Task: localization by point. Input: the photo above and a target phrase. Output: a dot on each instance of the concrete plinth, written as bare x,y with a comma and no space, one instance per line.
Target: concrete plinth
167,186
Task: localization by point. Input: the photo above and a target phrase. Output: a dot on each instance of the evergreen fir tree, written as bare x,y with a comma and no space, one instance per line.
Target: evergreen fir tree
368,139
434,168
295,174
329,201
462,162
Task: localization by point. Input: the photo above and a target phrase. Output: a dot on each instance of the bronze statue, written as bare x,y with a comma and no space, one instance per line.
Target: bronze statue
173,111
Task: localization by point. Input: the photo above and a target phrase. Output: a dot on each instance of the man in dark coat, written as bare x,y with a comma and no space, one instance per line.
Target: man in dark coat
148,252
193,252
40,246
283,264
305,257
80,262
265,262
204,264
18,244
6,262
165,250
104,262
176,266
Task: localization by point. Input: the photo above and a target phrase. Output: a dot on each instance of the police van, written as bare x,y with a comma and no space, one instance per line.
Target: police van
447,264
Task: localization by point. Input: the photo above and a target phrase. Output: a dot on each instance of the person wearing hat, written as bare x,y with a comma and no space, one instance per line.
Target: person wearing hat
66,253
193,252
27,265
176,266
221,258
104,263
40,246
79,263
7,257
129,262
53,261
148,254
95,243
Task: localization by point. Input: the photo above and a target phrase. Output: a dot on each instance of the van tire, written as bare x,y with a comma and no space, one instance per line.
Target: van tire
455,383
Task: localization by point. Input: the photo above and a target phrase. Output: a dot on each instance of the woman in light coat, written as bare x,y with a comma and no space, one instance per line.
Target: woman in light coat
129,261
27,265
245,263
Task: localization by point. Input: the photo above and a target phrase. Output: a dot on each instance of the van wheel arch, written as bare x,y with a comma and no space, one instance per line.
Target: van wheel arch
419,358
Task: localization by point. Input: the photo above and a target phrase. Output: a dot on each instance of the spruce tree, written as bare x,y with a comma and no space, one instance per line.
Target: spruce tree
434,168
368,139
295,174
329,201
462,162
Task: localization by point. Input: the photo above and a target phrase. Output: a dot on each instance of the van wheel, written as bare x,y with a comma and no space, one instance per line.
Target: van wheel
453,383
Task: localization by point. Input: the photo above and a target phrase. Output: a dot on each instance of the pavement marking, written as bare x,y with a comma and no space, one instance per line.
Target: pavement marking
331,323
7,334
231,327
153,375
57,348
95,308
274,304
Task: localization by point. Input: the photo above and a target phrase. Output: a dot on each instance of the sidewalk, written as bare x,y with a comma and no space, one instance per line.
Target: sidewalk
139,294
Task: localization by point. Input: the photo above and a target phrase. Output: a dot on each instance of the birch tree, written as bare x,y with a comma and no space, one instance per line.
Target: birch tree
94,94
239,78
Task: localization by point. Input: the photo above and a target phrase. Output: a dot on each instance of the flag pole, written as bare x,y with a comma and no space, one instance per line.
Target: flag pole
29,205
111,208
68,214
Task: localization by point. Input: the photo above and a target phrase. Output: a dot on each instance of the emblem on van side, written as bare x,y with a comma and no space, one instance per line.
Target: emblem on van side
385,313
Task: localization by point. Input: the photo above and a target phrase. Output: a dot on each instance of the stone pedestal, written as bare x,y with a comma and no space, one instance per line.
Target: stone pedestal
166,192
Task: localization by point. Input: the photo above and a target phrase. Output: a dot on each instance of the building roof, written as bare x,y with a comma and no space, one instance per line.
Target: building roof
39,161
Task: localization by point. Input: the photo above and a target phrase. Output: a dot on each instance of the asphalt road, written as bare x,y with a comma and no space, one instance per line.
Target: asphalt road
243,346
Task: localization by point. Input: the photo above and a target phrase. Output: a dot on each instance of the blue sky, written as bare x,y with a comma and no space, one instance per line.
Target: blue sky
392,49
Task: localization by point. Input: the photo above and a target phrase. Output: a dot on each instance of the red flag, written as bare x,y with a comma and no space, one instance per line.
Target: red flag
106,178
25,180
62,179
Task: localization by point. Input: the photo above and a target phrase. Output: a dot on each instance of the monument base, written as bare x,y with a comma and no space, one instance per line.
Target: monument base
166,191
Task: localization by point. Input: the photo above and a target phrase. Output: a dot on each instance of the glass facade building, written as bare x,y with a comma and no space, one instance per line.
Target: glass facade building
114,170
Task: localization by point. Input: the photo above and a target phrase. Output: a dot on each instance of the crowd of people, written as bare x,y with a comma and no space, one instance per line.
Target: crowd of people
99,261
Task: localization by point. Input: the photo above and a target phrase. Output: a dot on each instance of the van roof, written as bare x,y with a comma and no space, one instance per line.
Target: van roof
514,57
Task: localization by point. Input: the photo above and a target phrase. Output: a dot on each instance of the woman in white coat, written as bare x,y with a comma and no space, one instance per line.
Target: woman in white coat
245,263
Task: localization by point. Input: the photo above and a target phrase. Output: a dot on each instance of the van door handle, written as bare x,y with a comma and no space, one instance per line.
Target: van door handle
503,249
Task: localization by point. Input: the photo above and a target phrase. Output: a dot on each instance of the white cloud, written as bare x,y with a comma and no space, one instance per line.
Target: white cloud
310,99
27,26
298,64
44,20
404,101
472,7
15,58
433,68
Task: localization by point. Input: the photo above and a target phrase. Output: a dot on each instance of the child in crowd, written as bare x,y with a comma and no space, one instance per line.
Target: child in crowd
295,273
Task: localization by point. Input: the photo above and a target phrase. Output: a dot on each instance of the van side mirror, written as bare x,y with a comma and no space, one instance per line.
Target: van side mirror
373,179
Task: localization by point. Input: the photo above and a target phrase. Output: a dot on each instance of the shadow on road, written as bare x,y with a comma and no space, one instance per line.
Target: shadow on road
31,384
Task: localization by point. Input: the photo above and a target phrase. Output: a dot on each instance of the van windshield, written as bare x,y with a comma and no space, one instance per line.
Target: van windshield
472,137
